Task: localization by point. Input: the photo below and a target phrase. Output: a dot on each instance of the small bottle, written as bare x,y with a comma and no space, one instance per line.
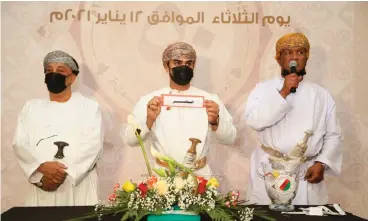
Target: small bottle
191,155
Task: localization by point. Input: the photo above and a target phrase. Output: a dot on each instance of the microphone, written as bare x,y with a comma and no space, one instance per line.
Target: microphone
292,65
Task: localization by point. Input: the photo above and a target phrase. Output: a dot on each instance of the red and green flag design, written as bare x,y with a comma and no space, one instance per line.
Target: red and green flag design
285,185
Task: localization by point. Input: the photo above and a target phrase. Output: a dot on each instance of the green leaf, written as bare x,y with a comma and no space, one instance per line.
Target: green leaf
264,216
219,214
141,215
120,211
167,173
171,167
125,217
129,214
160,172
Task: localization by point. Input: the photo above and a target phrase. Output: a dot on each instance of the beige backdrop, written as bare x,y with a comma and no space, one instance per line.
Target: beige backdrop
121,62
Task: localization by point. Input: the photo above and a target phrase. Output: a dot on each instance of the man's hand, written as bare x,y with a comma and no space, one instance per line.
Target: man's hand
53,171
315,173
291,80
213,110
153,110
49,185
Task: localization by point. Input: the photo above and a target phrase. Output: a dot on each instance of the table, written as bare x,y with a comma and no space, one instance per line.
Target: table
65,212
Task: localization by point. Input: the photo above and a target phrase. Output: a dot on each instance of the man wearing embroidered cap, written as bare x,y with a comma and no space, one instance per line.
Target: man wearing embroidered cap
60,176
281,115
170,128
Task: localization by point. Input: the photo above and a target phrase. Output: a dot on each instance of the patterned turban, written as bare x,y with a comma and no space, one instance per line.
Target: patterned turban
292,40
179,50
61,57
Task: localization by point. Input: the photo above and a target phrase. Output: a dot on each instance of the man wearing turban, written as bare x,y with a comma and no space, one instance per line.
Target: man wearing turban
65,175
281,117
170,128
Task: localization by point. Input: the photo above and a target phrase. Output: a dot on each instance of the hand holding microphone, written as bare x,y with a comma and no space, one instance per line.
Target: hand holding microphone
291,81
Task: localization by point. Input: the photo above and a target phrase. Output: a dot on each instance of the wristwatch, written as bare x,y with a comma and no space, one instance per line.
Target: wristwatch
215,123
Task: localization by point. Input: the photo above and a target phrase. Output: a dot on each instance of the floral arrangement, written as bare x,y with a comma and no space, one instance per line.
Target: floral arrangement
173,190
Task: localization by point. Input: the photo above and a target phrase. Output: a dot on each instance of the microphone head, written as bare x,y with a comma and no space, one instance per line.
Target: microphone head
293,63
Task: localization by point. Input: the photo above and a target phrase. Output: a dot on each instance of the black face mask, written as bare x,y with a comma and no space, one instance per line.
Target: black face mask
299,73
55,82
182,75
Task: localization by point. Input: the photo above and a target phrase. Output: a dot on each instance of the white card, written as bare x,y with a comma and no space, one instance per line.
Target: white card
191,101
315,211
338,209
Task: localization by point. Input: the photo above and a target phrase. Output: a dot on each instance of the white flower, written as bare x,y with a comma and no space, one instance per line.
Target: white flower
155,153
190,180
246,214
179,183
132,122
162,187
160,156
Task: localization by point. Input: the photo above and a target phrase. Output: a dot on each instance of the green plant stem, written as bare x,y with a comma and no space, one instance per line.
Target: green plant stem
140,141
